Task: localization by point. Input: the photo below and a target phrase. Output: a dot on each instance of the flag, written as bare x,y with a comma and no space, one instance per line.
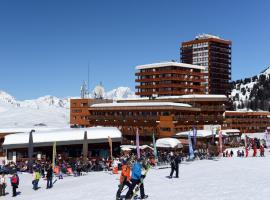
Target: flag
54,155
213,135
267,138
194,136
138,143
191,153
110,144
220,141
85,147
155,147
30,150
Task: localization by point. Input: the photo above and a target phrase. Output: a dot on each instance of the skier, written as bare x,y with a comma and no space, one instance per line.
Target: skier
124,178
14,183
3,185
136,179
49,177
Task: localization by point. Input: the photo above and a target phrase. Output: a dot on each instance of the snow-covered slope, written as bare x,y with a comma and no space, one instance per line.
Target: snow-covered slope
219,179
252,93
46,111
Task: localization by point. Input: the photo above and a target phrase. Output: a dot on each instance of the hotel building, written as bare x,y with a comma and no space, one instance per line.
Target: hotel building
215,54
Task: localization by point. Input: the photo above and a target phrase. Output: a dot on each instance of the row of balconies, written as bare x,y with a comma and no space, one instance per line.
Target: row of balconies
170,93
154,119
170,78
180,85
179,71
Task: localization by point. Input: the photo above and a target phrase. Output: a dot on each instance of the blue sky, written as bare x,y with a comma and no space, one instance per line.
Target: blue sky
45,46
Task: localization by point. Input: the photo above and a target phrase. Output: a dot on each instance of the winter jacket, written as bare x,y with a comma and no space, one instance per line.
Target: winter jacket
14,180
136,171
2,180
125,175
49,173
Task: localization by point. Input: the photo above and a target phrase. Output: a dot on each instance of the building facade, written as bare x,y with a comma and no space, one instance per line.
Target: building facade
215,54
169,78
247,121
162,116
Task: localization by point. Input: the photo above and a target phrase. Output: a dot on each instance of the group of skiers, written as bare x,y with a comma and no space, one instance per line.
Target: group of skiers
242,153
133,175
133,179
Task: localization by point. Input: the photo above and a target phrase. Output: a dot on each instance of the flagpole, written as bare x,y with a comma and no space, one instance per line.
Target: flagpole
138,143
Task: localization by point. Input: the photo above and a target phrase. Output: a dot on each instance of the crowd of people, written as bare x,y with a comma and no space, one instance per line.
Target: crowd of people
133,169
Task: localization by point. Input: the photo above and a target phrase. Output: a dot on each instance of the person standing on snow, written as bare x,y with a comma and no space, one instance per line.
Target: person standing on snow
14,184
124,178
254,150
262,151
3,185
49,177
36,177
136,179
246,151
175,160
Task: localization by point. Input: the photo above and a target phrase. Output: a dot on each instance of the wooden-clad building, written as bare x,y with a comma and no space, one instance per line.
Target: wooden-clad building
247,121
162,116
170,78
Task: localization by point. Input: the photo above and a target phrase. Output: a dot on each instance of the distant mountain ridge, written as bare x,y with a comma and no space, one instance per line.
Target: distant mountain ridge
47,111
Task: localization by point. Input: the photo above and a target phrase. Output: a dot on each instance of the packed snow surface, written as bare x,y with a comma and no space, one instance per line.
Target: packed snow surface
220,179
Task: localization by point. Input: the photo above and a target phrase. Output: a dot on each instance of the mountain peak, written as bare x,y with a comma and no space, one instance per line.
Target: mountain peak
266,71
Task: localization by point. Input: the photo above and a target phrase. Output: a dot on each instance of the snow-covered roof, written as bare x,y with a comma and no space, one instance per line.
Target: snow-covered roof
166,64
254,135
231,131
24,130
64,136
130,147
206,36
200,133
140,104
168,143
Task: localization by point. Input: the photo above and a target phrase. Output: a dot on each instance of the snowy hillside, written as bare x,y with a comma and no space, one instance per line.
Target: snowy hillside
252,93
46,111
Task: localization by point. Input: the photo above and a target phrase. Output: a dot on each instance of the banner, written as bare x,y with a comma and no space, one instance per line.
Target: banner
155,148
267,137
138,143
110,144
194,137
191,153
220,141
213,135
54,155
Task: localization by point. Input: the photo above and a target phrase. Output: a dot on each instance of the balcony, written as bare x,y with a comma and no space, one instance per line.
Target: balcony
170,79
184,72
179,85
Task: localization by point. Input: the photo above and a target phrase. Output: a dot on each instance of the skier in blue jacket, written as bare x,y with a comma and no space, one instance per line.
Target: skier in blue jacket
136,178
